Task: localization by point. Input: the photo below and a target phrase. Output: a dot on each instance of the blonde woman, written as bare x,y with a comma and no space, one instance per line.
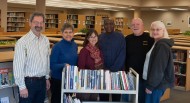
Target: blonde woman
158,69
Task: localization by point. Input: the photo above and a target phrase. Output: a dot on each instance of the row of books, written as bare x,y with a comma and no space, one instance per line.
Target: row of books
70,99
52,21
13,29
15,14
180,68
92,18
16,24
15,20
90,22
97,79
180,80
179,55
51,25
6,77
51,16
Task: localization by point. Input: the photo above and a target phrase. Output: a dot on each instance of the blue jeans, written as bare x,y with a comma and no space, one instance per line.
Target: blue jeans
155,96
36,91
141,94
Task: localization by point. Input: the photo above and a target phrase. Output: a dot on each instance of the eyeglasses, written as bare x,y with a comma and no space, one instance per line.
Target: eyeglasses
93,37
37,23
65,32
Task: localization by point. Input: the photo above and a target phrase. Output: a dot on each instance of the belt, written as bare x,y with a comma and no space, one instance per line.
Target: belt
35,78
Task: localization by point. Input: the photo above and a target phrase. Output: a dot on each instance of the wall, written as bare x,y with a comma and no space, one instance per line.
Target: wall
178,19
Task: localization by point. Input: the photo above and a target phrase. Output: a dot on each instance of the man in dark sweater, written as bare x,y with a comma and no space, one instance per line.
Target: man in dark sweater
137,45
112,44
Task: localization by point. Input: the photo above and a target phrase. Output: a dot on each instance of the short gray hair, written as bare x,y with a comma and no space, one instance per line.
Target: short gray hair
37,14
66,26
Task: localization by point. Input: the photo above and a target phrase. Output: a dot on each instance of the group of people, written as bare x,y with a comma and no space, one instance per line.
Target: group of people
148,54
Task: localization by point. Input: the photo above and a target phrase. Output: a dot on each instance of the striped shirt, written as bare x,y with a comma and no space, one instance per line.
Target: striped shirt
31,58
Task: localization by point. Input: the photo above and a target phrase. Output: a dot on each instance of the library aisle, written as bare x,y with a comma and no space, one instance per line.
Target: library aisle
178,96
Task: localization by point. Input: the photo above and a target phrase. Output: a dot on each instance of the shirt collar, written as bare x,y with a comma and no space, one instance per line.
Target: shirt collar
33,36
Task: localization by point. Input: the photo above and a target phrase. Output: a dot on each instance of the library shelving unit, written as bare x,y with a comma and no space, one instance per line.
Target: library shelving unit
102,23
134,93
51,21
9,91
73,19
181,59
90,22
121,24
15,21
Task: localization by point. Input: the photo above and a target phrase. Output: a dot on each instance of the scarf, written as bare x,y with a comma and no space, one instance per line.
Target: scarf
95,54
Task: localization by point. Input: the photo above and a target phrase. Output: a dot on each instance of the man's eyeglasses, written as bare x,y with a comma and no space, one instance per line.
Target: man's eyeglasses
37,23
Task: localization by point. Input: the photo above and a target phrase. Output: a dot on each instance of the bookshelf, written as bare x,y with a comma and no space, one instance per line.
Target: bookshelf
73,19
7,90
121,25
102,23
15,21
51,21
181,57
133,92
90,22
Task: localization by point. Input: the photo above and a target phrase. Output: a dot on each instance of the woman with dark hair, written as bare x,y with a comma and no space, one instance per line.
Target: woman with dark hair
90,57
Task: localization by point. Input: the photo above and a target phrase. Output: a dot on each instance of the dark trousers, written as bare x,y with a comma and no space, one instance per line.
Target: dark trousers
105,97
55,90
36,91
142,93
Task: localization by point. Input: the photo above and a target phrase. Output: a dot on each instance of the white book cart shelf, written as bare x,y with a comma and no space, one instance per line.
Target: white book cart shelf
133,93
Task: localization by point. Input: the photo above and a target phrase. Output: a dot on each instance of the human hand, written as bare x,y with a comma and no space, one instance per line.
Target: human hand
148,91
47,84
24,93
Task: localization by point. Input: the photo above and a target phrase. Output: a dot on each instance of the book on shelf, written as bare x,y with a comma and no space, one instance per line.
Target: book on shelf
85,79
6,77
4,100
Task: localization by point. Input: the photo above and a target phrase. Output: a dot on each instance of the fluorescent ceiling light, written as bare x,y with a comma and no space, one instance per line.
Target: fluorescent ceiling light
159,9
122,7
111,9
179,9
131,9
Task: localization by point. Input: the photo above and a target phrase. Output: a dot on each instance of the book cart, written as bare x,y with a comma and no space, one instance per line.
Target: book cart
134,92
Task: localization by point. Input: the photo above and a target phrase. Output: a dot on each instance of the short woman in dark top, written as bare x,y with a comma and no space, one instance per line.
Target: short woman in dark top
90,57
158,69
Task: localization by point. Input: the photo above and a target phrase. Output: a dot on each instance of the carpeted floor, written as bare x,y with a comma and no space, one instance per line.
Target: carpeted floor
178,96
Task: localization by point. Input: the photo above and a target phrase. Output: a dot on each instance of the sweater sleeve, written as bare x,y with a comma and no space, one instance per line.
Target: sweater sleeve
82,59
54,59
157,67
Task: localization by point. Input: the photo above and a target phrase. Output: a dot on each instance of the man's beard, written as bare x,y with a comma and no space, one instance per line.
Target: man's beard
38,28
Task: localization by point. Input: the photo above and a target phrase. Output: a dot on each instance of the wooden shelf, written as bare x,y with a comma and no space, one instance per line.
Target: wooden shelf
73,19
90,22
181,56
51,21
